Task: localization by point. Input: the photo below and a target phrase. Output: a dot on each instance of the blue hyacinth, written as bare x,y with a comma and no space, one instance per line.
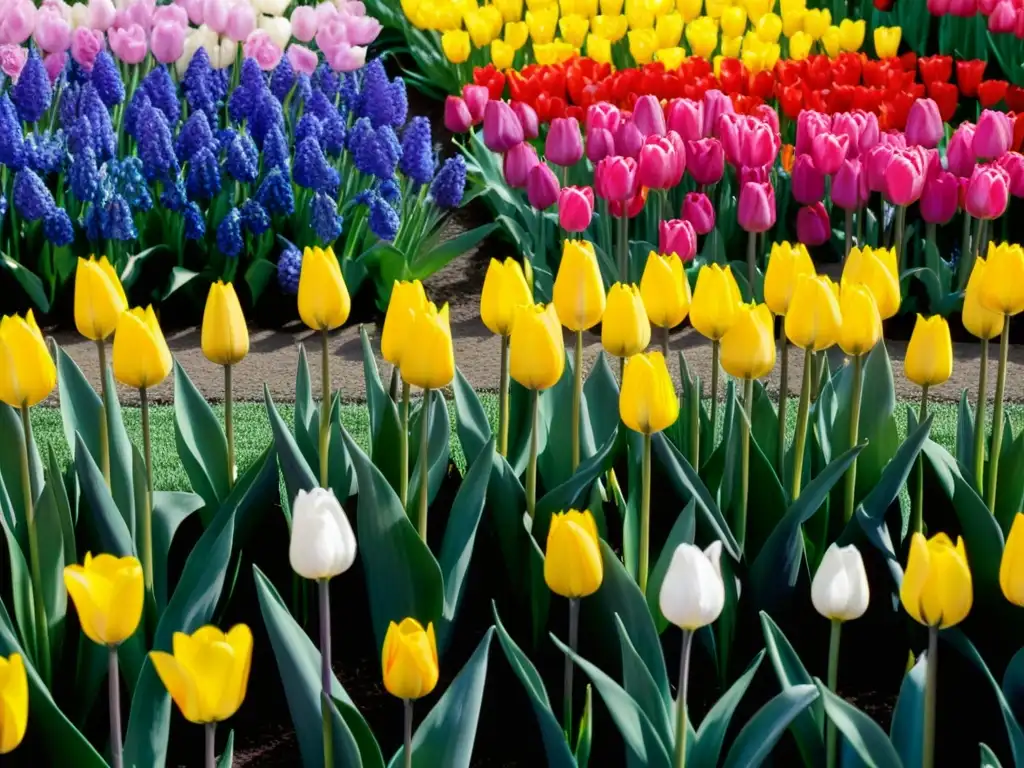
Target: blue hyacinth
320,105
91,106
84,175
303,90
199,86
195,224
203,180
32,200
57,228
309,126
223,139
80,136
390,191
399,102
266,114
3,206
390,152
327,81
333,134
254,217
156,149
128,178
67,107
229,234
44,152
243,159
138,105
289,267
162,92
248,92
282,79
32,94
324,218
450,183
418,152
120,225
173,196
276,153
384,220
350,92
275,194
375,153
193,136
12,143
375,95
106,79
312,170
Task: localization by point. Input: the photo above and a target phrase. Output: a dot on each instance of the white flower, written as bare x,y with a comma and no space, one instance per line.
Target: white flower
279,29
201,37
840,587
693,595
322,544
224,53
271,7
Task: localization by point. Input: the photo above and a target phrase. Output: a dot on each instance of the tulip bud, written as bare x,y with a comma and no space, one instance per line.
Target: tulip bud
322,543
748,347
808,182
537,350
578,292
107,592
813,320
829,150
693,593
876,269
988,192
647,398
628,139
502,129
225,336
686,117
141,356
979,321
924,124
705,160
849,187
573,566
527,119
615,179
456,115
1011,567
904,176
677,237
699,213
887,41
940,198
99,298
625,329
810,124
812,225
13,702
716,104
716,301
477,98
542,187
929,359
27,372
756,208
575,208
407,298
1002,287
937,589
427,360
456,45
786,265
517,164
600,144
960,151
1013,164
648,116
993,136
603,115
505,289
861,326
564,145
324,303
665,290
656,163
839,590
409,659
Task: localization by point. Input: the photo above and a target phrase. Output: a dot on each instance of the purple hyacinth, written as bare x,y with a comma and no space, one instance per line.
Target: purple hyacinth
333,135
193,136
223,138
46,151
266,114
84,175
91,106
324,218
375,95
399,102
303,90
57,228
156,149
32,200
254,217
350,91
128,177
417,151
308,126
229,234
243,159
282,79
173,196
106,79
390,191
198,85
289,267
326,80
311,169
203,180
384,220
138,105
275,193
319,105
162,92
276,153
32,94
12,142
450,183
195,224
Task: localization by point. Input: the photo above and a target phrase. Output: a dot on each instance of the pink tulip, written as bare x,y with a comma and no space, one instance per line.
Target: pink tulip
963,8
1013,164
876,160
128,43
331,34
215,15
767,115
628,139
518,163
54,64
1003,18
677,236
860,126
808,125
986,7
812,225
938,7
615,178
302,59
575,208
600,144
960,151
905,175
502,129
170,14
194,9
363,30
456,115
52,32
564,145
988,192
527,118
829,150
747,141
85,46
850,186
678,156
756,208
705,159
476,97
760,174
648,116
940,198
259,45
656,164
101,14
241,21
603,115
716,104
541,187
808,181
686,117
12,60
697,210
304,23
347,58
168,41
924,124
17,21
993,135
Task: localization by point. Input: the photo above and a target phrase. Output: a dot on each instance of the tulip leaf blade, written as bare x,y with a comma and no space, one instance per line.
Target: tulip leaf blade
22,594
707,747
60,495
227,757
861,733
438,448
1013,681
170,509
51,566
345,749
555,461
585,736
759,736
107,526
988,757
965,434
402,577
907,728
683,530
1010,483
638,683
202,446
448,732
28,280
471,423
385,426
643,745
306,413
297,474
601,399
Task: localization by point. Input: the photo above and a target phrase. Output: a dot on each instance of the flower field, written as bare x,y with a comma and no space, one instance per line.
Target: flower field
544,556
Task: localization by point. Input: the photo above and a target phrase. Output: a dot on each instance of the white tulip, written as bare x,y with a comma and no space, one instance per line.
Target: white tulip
279,29
693,594
839,590
201,37
79,15
271,7
224,53
323,544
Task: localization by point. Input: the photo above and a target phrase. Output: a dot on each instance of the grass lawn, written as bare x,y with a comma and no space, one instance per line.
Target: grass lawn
252,431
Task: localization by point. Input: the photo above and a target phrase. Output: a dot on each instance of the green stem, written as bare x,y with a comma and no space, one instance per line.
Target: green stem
997,418
684,681
424,464
114,700
211,740
324,600
531,467
783,400
503,398
403,446
325,408
741,522
917,509
147,516
407,739
901,213
966,253
623,248
574,624
714,392
833,677
42,630
800,438
979,420
930,694
393,386
229,426
751,265
851,473
665,342
645,516
577,399
695,427
101,351
848,245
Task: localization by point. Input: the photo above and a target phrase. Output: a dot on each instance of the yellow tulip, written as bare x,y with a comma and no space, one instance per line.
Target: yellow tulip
936,588
611,7
107,592
929,359
574,29
504,290
659,7
716,301
324,302
887,41
851,34
511,10
1011,567
715,8
427,360
671,58
769,27
407,298
208,673
409,659
13,702
647,399
689,9
756,9
639,15
816,21
478,25
99,298
702,36
455,44
1002,289
830,41
980,321
225,337
492,16
599,49
542,23
730,47
573,566
141,356
516,34
579,291
665,290
748,347
502,54
861,325
800,46
625,329
876,268
669,28
536,347
793,22
536,5
813,319
554,53
734,21
611,28
642,45
27,372
585,8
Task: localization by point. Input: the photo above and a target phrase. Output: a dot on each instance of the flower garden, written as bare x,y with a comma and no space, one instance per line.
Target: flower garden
540,556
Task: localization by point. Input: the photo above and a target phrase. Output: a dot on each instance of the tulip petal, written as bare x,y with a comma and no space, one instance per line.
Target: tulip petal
179,685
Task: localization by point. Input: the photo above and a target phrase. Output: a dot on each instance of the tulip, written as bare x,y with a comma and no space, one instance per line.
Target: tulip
456,114
808,182
677,237
685,117
716,299
573,566
665,291
849,189
502,129
993,136
812,225
748,347
756,209
578,291
813,319
887,41
504,290
108,594
861,324
409,660
648,116
575,208
527,118
517,164
628,139
988,192
960,151
427,360
600,144
322,543
225,338
940,198
693,592
656,163
537,349
1002,289
851,34
564,145
716,104
13,702
1013,164
477,97
786,264
924,124
542,188
829,150
929,360
27,374
324,302
876,269
456,46
705,160
407,298
1011,567
699,213
625,329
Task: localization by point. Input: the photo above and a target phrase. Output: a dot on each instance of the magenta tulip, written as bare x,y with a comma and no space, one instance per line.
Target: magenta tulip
527,118
656,164
575,208
992,136
860,126
679,157
746,141
767,115
960,156
648,116
705,160
677,236
615,178
940,198
699,212
761,174
963,8
808,181
829,151
808,125
542,187
924,124
476,97
756,208
716,104
1003,18
988,192
600,144
502,129
564,145
603,115
685,117
850,186
812,225
905,175
456,115
518,163
628,139
1013,164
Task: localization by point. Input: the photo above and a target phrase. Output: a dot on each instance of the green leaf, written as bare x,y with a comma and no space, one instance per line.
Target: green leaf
60,495
385,425
806,726
29,282
988,757
22,595
555,461
707,749
344,745
759,736
471,423
258,276
341,474
447,734
426,263
907,729
863,734
601,396
1013,681
107,525
682,531
170,508
402,577
227,757
306,414
179,278
965,433
11,441
438,448
297,474
202,447
51,567
638,683
1010,485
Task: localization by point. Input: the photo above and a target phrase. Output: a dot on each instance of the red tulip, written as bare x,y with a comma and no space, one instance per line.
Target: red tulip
812,225
935,68
968,76
991,92
946,96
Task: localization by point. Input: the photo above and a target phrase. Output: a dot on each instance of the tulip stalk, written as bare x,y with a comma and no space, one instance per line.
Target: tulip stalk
901,217
848,244
577,399
211,749
645,516
800,438
421,521
715,346
684,681
979,420
748,407
503,400
407,739
36,575
101,352
574,628
531,466
695,426
403,445
325,408
851,473
930,693
783,397
833,678
917,508
324,599
147,516
997,419
751,263
229,426
623,247
966,264
114,698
